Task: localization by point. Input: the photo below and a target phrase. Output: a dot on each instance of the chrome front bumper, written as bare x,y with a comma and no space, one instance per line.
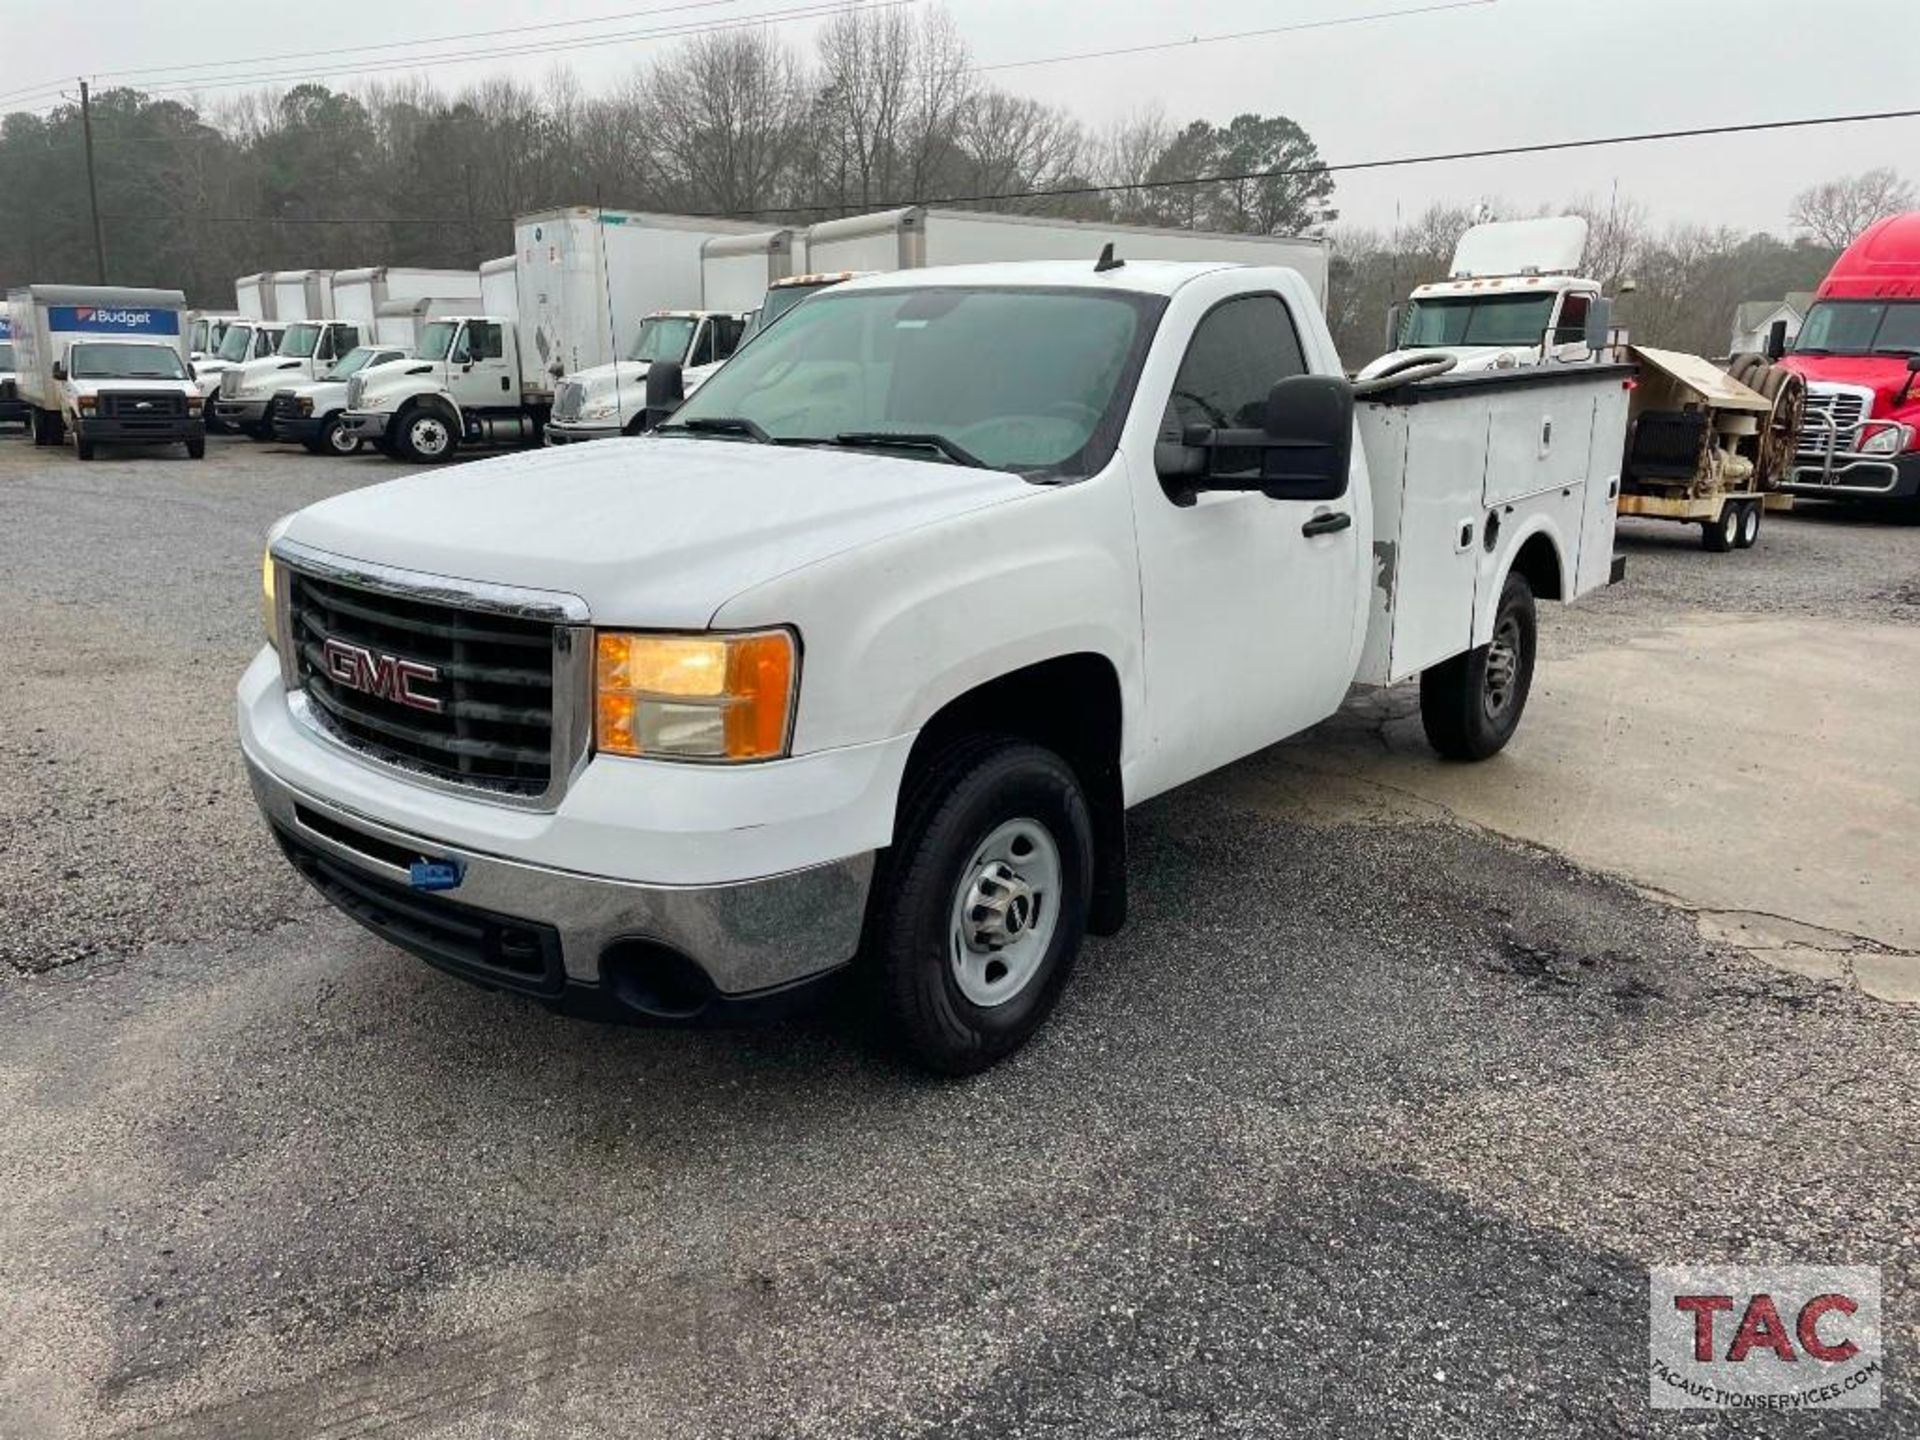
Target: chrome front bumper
242,412
748,938
571,432
367,424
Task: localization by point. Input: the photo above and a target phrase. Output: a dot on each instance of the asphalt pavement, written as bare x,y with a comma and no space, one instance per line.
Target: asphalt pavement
1370,1123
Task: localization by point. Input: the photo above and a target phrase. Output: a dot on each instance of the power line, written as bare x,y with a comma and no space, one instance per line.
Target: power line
1193,40
1278,173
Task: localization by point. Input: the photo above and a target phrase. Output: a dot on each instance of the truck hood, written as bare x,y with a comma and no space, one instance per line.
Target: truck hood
605,379
146,387
1884,375
649,531
1470,358
265,375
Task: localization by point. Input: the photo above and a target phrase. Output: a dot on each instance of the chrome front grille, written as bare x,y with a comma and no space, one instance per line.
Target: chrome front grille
229,384
356,391
479,696
568,397
1834,416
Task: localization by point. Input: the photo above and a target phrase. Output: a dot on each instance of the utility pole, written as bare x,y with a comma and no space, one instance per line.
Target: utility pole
93,191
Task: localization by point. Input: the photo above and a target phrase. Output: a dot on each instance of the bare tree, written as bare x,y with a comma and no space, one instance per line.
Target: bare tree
1834,213
722,121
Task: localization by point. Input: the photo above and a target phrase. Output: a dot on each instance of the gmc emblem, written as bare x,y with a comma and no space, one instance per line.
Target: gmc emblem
387,676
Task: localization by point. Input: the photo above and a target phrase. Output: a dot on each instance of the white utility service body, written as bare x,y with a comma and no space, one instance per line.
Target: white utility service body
583,281
1513,296
895,645
132,384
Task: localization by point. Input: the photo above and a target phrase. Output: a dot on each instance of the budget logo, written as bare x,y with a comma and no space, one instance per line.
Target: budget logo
102,320
1764,1337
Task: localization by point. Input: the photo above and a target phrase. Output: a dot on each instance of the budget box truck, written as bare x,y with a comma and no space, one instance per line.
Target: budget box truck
105,365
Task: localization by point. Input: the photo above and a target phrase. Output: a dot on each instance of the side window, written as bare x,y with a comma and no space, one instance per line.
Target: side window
482,339
1572,329
726,336
1239,352
346,337
703,345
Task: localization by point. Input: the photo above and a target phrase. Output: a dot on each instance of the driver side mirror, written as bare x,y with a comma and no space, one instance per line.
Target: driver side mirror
1776,339
1599,323
1396,312
1303,449
666,388
1906,389
59,370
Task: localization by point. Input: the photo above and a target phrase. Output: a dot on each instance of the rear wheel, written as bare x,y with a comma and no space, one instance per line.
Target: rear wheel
982,902
1749,524
1722,534
1471,705
425,437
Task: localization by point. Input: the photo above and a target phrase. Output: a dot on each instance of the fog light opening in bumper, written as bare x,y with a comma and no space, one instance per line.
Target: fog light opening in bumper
656,980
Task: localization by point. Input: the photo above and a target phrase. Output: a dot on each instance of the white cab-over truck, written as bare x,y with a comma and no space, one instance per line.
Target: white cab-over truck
1513,296
104,365
867,650
583,280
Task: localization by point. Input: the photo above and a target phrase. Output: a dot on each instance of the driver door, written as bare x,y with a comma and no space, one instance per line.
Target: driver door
1250,605
477,367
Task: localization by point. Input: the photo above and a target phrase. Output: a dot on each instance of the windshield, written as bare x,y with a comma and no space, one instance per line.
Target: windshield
6,355
781,299
352,362
94,361
437,340
662,337
1860,327
1476,320
1029,380
233,344
299,341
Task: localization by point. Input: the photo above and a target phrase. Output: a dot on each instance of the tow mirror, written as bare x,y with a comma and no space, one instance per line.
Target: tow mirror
1906,390
1776,339
1395,313
666,388
1599,323
1302,450
59,370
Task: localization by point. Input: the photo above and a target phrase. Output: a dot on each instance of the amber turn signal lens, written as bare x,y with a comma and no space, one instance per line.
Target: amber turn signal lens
694,697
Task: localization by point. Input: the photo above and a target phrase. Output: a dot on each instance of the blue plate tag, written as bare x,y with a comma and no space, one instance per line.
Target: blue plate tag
434,874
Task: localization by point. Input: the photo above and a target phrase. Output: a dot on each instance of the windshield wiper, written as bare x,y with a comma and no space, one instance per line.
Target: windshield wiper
719,425
909,440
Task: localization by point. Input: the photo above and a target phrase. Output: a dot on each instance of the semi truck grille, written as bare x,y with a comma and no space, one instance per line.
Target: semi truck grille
568,397
229,384
1845,409
465,696
356,391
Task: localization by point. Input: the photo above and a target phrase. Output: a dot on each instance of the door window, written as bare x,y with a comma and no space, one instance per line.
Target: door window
1239,352
702,353
483,339
1572,329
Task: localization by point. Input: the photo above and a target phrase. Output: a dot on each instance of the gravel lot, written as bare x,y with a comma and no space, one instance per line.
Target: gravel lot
1360,1128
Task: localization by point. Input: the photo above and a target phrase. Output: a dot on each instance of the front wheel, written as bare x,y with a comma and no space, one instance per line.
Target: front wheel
425,437
1471,705
82,446
982,902
197,447
336,439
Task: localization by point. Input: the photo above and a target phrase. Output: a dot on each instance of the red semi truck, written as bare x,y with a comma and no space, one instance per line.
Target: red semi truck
1860,353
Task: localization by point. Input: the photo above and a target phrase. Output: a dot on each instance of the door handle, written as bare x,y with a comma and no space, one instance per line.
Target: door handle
1327,523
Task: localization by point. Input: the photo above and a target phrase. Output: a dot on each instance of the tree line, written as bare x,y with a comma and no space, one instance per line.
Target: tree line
885,107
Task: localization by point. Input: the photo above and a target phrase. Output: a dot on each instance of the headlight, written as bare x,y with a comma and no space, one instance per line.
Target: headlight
602,408
86,402
305,405
695,697
194,402
266,595
1887,440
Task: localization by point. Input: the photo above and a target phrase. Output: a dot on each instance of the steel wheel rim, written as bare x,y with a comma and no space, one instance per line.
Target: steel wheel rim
340,442
1730,525
1750,526
1006,909
429,435
1503,666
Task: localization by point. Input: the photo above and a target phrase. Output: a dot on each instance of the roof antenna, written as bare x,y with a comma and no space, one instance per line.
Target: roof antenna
1106,261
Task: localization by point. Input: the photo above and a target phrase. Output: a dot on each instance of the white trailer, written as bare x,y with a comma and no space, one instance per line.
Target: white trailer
735,270
302,295
254,295
917,237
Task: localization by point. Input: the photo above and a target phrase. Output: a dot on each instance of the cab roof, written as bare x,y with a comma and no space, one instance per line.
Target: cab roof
1139,277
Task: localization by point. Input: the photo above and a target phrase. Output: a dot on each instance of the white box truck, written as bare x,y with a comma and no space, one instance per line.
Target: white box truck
13,410
359,294
583,281
677,726
302,295
105,365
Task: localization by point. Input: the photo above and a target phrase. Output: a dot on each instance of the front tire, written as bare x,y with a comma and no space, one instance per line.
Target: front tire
197,447
335,439
426,437
981,904
1471,705
82,446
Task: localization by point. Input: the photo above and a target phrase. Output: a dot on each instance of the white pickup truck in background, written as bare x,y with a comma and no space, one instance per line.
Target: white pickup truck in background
868,649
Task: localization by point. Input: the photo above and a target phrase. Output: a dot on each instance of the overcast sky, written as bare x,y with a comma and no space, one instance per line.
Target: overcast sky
1496,72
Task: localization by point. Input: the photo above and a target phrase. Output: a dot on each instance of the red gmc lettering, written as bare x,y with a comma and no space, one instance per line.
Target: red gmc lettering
387,676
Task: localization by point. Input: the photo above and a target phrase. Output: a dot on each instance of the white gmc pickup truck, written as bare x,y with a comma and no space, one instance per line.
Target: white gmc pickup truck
861,657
